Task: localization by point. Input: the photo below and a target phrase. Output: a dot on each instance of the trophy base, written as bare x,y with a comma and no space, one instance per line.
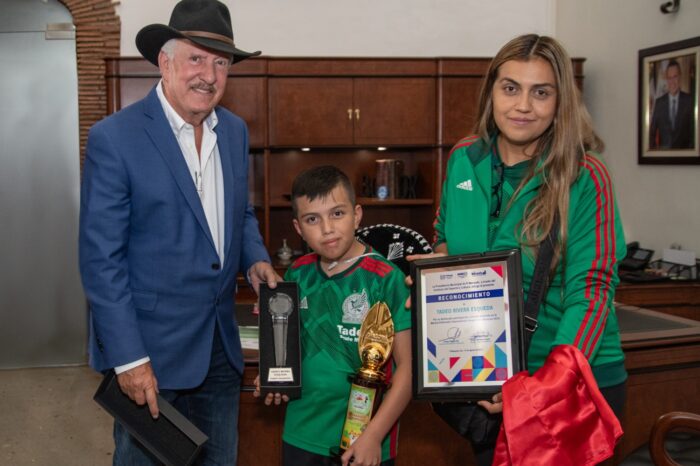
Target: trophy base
363,402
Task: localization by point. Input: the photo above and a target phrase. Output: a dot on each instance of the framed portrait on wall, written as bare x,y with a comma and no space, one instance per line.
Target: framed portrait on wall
668,103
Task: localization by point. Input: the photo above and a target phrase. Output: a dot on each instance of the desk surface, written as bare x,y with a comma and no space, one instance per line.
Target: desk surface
644,327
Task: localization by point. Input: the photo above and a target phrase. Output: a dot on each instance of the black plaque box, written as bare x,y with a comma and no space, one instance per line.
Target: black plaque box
172,438
280,376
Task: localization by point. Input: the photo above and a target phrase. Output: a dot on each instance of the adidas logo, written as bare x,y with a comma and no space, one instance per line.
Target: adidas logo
304,303
466,185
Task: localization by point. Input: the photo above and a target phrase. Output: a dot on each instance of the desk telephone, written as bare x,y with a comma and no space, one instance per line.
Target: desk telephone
632,267
637,258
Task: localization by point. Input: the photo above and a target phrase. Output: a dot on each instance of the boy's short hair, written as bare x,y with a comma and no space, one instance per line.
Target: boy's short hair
319,182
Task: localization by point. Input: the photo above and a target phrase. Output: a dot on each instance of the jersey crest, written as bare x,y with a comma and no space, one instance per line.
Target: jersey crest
355,307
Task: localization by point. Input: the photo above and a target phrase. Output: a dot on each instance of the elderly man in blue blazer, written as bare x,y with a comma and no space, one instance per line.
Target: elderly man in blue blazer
165,227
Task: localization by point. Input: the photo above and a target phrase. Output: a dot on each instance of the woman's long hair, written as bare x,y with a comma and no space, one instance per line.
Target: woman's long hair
560,148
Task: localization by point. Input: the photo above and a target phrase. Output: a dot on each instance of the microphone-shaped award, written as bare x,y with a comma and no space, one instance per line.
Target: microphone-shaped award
376,341
280,306
279,344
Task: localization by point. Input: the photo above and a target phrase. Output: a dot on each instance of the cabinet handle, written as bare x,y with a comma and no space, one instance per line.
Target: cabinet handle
357,113
349,114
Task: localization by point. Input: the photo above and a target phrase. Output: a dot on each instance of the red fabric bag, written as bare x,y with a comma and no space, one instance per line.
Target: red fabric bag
556,416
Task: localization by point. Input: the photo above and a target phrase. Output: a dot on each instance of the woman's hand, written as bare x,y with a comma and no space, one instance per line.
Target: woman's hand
270,397
412,257
494,406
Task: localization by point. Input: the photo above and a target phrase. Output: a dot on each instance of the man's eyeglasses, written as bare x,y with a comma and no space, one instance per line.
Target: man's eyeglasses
497,190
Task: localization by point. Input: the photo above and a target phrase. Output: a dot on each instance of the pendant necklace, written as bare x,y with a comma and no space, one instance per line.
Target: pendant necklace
335,264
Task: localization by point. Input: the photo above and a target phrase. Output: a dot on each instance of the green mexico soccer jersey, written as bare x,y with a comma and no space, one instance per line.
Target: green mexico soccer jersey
332,309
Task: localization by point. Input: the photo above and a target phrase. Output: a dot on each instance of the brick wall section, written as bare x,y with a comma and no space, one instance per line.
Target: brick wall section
98,32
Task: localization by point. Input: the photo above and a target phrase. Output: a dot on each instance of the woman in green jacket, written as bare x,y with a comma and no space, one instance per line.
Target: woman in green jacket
534,158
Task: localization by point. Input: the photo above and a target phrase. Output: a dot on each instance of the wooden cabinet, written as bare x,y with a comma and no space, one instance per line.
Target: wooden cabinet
341,111
358,102
394,111
676,298
246,96
460,84
311,112
283,164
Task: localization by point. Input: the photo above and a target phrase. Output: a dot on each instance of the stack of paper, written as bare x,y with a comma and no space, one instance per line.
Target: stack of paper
249,337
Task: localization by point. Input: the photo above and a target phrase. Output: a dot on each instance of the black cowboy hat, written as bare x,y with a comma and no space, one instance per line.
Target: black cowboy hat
207,23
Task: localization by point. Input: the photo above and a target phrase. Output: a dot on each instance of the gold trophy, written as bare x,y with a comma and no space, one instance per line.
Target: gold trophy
376,341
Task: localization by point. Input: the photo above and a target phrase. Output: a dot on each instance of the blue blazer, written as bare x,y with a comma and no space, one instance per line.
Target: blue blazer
152,277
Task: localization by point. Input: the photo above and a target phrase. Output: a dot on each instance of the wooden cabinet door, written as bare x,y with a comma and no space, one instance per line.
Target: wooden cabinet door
398,111
246,97
133,90
459,101
310,111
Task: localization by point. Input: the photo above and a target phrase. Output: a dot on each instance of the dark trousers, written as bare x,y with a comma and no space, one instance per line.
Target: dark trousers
615,396
212,407
293,456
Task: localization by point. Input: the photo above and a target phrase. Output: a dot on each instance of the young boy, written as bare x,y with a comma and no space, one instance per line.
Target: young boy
338,283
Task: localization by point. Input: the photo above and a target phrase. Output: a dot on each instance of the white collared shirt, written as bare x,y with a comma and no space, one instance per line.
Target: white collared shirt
206,174
205,168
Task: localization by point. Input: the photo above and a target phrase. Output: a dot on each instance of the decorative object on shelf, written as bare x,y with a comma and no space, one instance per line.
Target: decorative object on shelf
407,188
388,173
668,103
285,253
394,242
368,188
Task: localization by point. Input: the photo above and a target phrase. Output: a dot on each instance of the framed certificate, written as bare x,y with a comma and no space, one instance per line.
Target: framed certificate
467,325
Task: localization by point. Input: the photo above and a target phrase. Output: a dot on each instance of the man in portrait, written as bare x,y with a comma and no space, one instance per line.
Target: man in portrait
671,125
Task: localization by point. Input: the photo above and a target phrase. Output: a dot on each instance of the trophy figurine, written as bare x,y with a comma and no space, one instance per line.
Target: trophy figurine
375,343
280,306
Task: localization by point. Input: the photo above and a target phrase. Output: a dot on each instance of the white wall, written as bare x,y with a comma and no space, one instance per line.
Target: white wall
659,204
410,28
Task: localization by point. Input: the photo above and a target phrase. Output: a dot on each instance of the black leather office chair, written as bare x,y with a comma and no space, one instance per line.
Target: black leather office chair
674,441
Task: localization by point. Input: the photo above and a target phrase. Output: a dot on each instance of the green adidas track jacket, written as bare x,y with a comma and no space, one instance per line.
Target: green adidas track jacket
578,307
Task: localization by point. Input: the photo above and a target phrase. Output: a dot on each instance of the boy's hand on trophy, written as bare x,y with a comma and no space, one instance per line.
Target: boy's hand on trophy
277,398
365,451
